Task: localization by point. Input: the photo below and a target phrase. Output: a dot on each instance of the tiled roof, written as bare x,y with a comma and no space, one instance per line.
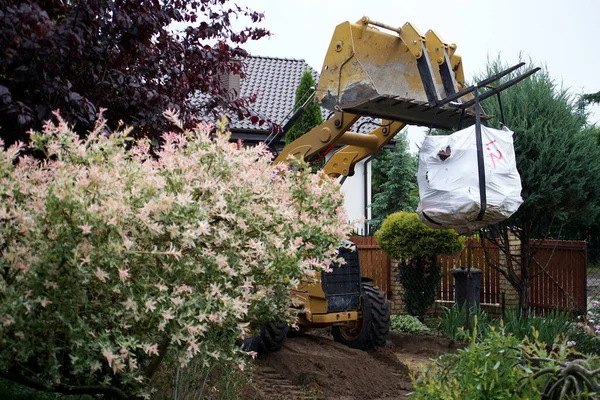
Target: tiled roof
274,81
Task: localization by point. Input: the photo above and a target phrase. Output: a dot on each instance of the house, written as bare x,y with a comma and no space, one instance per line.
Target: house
274,81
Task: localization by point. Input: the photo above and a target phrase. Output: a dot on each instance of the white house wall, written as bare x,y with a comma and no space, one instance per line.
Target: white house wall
354,198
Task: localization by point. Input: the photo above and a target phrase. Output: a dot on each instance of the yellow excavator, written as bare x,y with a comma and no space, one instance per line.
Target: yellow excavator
397,75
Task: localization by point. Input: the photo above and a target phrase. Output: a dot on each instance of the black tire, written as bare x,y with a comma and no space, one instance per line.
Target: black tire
269,339
272,336
251,343
371,331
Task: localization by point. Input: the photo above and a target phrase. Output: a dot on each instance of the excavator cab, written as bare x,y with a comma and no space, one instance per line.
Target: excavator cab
402,77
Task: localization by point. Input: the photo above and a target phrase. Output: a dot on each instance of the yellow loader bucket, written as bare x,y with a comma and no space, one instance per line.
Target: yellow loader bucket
393,73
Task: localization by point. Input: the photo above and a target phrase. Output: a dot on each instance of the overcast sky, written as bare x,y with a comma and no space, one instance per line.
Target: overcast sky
563,35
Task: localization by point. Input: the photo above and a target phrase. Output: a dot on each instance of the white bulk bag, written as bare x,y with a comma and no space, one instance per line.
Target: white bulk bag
448,178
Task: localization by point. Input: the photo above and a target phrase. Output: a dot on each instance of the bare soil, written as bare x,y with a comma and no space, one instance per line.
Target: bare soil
313,366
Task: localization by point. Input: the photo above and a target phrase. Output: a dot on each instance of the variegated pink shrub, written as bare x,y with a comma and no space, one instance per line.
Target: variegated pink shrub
114,258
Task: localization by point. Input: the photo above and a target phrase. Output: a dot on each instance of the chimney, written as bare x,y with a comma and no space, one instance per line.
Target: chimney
231,83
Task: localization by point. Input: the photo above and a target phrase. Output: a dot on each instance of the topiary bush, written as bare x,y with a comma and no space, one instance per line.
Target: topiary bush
416,247
115,258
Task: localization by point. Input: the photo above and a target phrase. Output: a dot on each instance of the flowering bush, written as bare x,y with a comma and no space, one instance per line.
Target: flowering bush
114,259
585,334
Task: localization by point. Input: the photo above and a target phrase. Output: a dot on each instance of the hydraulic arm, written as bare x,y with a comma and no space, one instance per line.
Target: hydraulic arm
395,74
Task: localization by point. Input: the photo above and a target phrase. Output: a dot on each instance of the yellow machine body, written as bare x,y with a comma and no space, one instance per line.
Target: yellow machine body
375,70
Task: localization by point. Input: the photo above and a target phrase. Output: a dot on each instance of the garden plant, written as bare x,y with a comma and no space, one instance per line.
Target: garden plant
562,373
452,323
416,247
408,324
585,334
503,367
548,327
116,257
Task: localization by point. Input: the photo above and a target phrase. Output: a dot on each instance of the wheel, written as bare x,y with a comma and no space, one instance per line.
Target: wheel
269,339
371,330
272,336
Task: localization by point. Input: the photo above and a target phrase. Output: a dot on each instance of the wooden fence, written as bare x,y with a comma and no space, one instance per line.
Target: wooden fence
490,278
374,262
558,274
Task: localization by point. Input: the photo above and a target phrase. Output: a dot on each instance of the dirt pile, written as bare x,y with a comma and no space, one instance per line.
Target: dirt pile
313,366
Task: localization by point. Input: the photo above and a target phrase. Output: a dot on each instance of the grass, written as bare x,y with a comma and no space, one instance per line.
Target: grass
593,267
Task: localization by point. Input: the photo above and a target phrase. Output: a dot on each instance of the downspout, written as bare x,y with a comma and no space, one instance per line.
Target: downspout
365,191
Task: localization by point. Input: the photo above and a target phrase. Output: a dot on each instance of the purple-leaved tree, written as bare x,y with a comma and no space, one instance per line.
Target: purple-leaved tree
126,56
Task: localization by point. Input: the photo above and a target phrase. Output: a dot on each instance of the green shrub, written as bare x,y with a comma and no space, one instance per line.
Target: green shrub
504,367
408,324
483,371
416,247
403,235
561,373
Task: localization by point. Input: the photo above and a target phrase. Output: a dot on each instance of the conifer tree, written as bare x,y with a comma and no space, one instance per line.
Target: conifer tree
557,157
394,182
311,116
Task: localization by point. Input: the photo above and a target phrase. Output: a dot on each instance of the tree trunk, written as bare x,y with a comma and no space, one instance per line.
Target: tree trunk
524,288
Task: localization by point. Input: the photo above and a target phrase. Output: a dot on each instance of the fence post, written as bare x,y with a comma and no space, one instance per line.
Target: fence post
469,263
397,302
511,297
